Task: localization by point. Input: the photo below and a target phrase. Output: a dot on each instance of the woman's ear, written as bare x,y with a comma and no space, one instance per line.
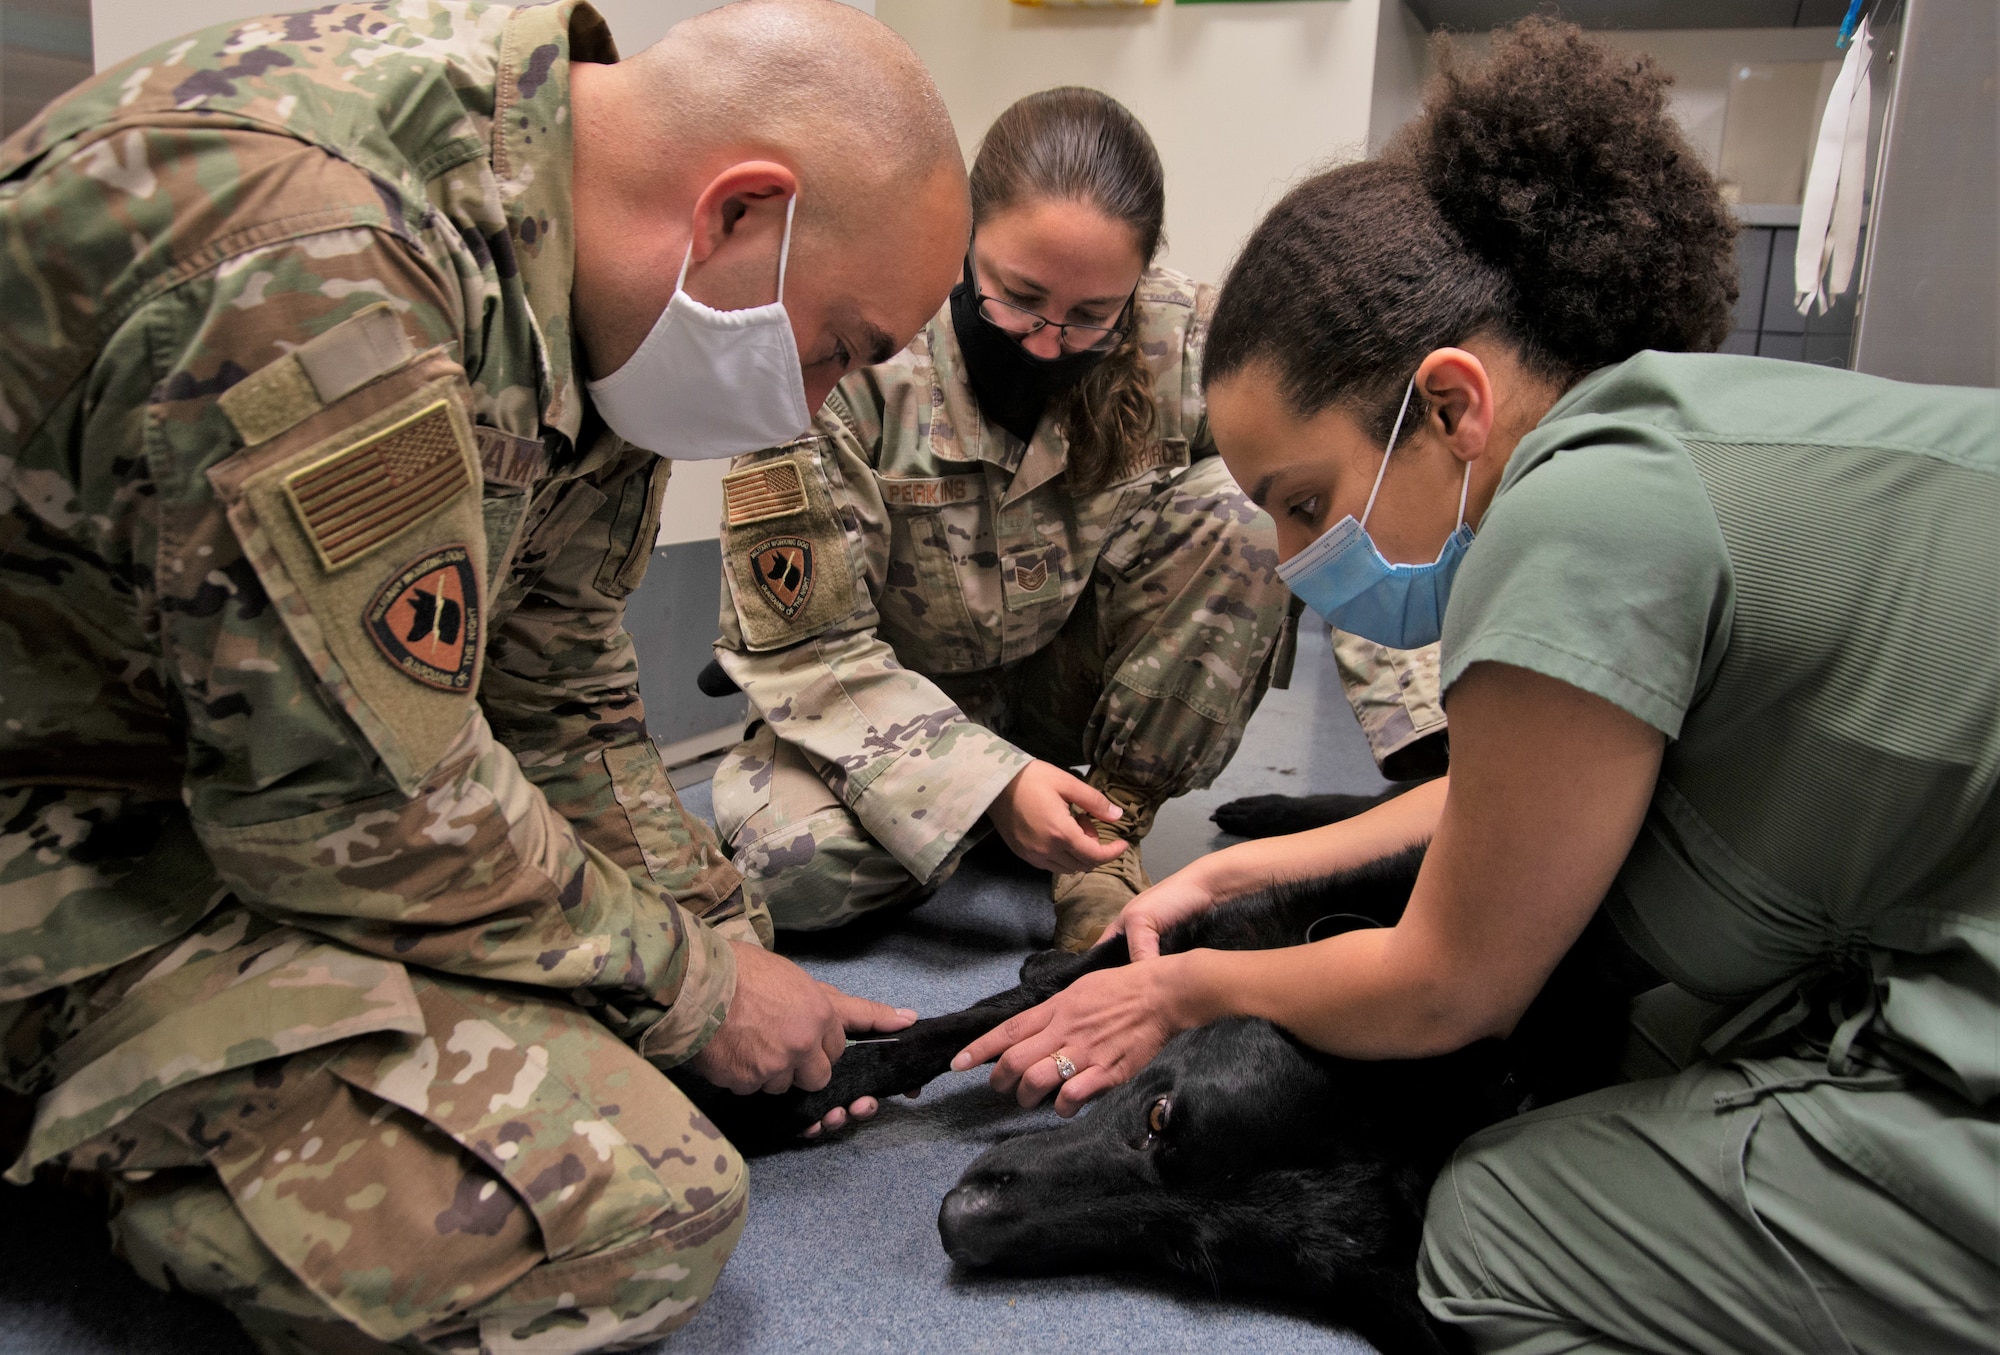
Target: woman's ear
1460,394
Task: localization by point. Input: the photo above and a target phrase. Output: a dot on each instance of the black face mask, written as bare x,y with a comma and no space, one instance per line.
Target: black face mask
1012,385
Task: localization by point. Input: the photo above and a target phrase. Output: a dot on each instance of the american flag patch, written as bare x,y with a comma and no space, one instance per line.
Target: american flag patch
774,490
362,496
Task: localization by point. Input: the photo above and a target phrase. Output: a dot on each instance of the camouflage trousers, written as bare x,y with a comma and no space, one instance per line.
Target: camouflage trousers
1395,696
1185,593
510,1177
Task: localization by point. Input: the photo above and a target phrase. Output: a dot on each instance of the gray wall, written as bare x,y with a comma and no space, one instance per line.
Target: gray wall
1930,300
1767,323
672,621
44,49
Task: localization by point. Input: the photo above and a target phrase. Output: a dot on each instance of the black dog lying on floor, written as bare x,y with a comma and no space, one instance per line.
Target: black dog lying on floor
1239,1156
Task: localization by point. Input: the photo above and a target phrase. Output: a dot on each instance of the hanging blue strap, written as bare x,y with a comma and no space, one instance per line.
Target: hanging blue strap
1850,23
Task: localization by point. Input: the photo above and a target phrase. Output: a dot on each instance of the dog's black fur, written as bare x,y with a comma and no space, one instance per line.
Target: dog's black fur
1272,1167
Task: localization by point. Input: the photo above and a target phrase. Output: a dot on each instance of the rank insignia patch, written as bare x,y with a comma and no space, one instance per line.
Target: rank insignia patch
425,619
784,569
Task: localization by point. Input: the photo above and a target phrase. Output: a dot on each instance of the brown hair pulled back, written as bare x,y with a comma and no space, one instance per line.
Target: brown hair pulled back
1073,144
1543,197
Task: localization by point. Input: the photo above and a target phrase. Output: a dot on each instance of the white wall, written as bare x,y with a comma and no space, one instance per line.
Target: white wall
1700,60
1241,99
122,27
1402,64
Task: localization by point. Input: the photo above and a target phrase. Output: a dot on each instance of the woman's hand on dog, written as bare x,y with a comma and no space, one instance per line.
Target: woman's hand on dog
785,1029
1175,899
1109,1024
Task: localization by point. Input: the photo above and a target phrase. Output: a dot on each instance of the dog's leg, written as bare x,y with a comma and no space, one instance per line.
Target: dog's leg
906,1061
1277,815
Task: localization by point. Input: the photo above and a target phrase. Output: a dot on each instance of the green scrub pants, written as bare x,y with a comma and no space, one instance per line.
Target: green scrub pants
1646,1218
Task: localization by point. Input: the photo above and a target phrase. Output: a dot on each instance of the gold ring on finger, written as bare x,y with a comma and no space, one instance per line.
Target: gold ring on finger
1064,1068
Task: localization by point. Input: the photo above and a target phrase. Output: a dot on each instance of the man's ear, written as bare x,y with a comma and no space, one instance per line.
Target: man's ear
1460,393
738,192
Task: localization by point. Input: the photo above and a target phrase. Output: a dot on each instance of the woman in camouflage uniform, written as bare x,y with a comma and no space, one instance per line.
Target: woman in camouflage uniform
1008,551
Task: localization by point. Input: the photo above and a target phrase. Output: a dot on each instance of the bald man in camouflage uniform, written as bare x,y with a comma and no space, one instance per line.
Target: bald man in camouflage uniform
347,916
919,606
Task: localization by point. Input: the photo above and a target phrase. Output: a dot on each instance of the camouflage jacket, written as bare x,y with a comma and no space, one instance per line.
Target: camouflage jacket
313,563
912,537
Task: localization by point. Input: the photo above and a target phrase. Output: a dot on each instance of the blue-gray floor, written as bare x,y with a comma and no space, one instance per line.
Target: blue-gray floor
841,1253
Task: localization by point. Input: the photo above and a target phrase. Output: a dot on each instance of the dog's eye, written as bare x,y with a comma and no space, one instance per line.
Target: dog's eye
1158,1115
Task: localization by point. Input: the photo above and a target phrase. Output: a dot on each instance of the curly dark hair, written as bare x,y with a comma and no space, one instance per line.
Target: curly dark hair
1080,144
1542,197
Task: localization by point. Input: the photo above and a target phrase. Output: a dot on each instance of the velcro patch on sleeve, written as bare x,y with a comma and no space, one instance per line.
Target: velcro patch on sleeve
371,544
270,400
367,494
278,397
790,579
772,489
368,344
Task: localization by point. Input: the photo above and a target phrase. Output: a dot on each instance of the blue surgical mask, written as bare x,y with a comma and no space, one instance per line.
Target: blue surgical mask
1345,579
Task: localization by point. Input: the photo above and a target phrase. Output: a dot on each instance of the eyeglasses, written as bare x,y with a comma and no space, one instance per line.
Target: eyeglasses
1022,322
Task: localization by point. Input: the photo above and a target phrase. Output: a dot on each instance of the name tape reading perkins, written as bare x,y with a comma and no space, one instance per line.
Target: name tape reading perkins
932,493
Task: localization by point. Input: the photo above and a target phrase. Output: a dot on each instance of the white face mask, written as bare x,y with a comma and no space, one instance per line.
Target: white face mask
707,384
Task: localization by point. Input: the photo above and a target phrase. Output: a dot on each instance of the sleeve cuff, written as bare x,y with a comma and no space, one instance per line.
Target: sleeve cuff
921,806
1585,674
708,986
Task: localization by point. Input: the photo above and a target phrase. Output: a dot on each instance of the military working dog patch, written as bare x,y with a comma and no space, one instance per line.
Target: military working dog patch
425,619
784,569
361,496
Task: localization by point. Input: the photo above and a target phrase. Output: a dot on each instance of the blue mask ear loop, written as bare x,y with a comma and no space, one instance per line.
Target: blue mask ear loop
1394,433
1464,485
784,253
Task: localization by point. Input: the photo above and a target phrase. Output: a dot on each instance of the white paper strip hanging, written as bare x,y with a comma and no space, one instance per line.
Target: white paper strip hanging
1830,217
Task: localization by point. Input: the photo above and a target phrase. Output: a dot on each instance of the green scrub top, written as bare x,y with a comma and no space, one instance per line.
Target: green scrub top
1794,574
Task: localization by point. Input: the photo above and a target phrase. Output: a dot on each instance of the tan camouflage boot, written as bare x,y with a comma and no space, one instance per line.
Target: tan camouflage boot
1088,901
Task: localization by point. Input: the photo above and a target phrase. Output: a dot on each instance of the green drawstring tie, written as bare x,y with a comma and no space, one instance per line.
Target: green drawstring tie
1789,1005
1866,1082
1762,1020
1839,1051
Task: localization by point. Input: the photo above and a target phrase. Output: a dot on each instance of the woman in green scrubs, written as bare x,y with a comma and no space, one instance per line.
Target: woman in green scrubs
1723,655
